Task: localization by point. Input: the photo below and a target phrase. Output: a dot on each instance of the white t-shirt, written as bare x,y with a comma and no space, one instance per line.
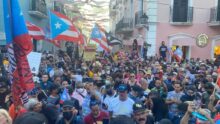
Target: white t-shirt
108,99
119,107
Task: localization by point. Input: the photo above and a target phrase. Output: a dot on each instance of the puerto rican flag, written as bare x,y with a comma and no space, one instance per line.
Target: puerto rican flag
35,32
98,35
19,46
62,29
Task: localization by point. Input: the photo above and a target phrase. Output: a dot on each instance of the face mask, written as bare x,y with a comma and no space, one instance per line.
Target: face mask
67,115
107,82
80,90
84,68
109,92
108,72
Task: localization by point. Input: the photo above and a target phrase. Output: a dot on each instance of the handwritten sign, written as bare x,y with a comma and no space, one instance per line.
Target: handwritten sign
34,60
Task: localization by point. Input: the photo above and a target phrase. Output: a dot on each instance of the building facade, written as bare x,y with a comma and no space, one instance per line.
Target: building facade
179,23
34,11
126,21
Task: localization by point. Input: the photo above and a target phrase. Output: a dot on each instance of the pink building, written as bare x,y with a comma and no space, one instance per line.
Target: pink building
179,22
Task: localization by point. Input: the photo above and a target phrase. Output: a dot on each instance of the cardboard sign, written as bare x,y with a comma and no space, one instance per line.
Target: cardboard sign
34,60
89,52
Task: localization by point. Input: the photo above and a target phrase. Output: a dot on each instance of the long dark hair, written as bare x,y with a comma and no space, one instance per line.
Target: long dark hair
135,44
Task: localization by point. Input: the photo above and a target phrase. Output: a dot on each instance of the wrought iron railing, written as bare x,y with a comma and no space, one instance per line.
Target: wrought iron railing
124,24
214,15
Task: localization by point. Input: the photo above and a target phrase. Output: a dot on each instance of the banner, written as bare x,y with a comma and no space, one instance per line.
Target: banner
90,52
34,60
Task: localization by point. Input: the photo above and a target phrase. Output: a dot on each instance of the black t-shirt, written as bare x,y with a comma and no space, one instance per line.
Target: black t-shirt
163,50
150,119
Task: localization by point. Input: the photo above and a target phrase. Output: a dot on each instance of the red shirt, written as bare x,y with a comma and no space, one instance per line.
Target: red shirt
89,119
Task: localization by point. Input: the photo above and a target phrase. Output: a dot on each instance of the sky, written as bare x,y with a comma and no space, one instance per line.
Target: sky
86,13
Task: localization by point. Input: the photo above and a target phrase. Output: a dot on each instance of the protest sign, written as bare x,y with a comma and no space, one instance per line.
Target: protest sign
34,60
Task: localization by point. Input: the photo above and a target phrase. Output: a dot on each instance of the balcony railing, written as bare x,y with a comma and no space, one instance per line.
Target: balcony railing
179,19
113,11
38,8
125,25
140,22
214,17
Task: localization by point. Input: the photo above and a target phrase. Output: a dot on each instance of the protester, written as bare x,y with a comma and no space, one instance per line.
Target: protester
173,99
31,118
69,115
121,105
160,90
163,51
4,117
141,114
96,116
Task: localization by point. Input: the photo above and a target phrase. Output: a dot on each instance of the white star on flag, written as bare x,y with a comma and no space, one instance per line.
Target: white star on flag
21,13
57,25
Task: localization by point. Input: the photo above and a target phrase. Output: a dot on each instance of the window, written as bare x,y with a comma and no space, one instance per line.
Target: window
218,11
180,11
38,5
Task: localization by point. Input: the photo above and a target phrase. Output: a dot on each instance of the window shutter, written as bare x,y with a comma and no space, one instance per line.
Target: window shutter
218,11
180,10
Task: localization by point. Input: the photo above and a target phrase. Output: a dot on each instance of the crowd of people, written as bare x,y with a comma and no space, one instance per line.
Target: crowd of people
123,88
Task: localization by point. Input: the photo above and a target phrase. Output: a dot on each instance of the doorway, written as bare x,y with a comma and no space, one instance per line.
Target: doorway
185,50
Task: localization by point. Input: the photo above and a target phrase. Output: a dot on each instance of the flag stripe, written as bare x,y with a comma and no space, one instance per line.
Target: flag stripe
103,40
70,33
35,32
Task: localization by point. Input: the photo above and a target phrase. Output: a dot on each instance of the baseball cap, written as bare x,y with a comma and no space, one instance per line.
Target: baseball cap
138,107
122,88
68,103
142,70
87,80
31,118
93,103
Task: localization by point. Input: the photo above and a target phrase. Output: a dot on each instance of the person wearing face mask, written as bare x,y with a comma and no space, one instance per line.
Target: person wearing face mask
189,94
91,94
69,115
79,93
108,97
96,116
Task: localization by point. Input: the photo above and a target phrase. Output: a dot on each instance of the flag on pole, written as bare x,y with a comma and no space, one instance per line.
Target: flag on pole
62,29
98,35
47,38
64,96
35,32
19,46
113,40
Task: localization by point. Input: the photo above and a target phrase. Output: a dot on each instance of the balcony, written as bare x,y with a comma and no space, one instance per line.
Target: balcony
181,16
214,17
113,11
38,8
141,19
125,25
